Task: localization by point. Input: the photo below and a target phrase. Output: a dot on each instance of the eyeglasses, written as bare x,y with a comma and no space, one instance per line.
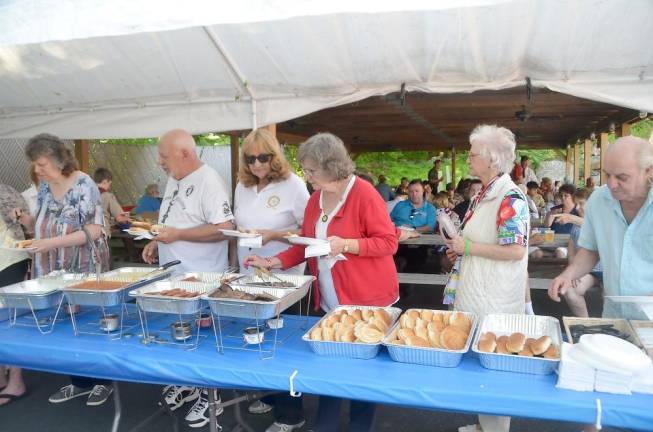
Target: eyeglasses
473,155
263,158
415,212
310,172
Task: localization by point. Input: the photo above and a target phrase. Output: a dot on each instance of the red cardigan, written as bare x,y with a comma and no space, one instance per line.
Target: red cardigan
369,278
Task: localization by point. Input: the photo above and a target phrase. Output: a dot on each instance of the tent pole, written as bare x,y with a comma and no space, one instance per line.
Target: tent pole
81,154
576,163
588,159
603,150
453,167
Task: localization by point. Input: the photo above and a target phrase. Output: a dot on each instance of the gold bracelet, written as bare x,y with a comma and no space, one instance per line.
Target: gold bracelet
346,248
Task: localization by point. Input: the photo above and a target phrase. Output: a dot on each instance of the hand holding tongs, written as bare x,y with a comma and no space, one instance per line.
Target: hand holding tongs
264,273
161,268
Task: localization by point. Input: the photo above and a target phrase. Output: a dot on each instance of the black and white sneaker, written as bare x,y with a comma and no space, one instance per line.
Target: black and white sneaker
176,396
67,393
198,415
99,395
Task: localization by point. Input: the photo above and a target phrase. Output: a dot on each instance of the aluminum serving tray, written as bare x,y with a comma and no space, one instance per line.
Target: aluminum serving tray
531,326
357,350
206,277
299,281
253,309
134,277
167,304
428,356
33,294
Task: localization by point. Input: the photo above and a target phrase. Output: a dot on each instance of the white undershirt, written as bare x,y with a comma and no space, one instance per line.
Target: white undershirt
328,296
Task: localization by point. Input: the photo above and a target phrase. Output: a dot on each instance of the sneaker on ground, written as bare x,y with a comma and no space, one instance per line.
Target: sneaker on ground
67,393
176,396
259,407
99,395
198,415
282,427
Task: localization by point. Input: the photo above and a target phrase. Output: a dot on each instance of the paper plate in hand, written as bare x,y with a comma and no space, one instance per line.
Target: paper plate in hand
306,241
139,233
406,228
235,233
17,249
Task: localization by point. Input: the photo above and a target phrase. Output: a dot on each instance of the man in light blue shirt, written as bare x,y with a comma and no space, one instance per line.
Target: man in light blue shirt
618,225
414,212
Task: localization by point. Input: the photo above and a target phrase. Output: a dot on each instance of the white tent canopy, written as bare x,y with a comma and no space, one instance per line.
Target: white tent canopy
124,68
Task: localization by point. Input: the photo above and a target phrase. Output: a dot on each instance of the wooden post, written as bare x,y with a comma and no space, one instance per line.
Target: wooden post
576,163
235,159
623,130
272,128
81,154
569,166
453,167
603,148
588,159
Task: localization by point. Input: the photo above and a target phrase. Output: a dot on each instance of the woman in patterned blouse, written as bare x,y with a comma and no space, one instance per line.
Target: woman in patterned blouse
67,232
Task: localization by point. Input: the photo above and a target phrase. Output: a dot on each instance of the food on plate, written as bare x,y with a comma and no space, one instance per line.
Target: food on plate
144,225
227,292
355,325
191,279
138,231
518,344
98,285
175,292
291,234
439,329
23,244
247,231
157,228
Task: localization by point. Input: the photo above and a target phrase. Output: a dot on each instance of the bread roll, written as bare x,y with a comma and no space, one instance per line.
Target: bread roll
420,323
526,352
426,315
369,334
406,321
399,342
403,334
487,345
332,320
438,317
414,313
417,341
23,244
453,338
436,326
445,317
347,335
529,341
379,324
328,334
502,339
422,332
383,315
348,319
540,345
461,320
434,339
316,334
357,314
501,346
552,352
367,314
489,336
516,342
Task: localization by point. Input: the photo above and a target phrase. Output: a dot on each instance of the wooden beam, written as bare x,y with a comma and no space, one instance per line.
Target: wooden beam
272,128
453,166
602,149
576,163
235,159
569,165
81,154
290,138
623,130
587,159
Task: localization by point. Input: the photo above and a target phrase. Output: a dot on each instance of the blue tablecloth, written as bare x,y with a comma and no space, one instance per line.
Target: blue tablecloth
467,388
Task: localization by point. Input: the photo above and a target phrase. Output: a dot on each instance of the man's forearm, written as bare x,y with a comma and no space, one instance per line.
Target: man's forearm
205,233
583,262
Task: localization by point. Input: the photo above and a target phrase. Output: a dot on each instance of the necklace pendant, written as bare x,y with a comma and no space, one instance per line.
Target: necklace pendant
325,218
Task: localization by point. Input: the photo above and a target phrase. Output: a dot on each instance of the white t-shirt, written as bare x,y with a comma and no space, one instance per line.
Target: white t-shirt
328,295
279,206
198,199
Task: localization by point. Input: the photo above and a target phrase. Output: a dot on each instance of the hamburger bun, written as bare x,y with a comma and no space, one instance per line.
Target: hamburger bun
367,314
501,346
426,315
526,352
422,332
434,339
24,244
414,313
487,345
370,334
552,352
316,334
417,341
328,334
383,315
539,346
461,320
145,225
489,336
453,338
357,314
516,342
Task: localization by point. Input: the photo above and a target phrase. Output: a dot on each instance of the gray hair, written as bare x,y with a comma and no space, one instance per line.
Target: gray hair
498,146
329,152
53,148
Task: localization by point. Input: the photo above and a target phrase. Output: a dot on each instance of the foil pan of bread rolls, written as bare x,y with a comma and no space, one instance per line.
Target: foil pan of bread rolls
175,297
534,328
352,331
431,337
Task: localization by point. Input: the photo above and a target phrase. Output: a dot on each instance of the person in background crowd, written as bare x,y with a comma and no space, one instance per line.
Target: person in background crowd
398,198
517,173
490,252
415,212
112,209
475,186
451,194
403,186
435,177
195,208
428,192
533,193
150,202
567,207
347,212
529,174
442,203
547,192
31,193
13,268
68,232
589,184
556,186
461,191
384,189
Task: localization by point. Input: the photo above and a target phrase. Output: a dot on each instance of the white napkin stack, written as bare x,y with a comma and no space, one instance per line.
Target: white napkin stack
574,374
613,382
251,242
643,381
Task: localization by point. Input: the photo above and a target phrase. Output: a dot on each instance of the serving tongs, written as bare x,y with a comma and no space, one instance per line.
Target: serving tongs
264,273
161,268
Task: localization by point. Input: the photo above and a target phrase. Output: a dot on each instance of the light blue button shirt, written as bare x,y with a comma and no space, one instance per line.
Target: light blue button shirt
626,251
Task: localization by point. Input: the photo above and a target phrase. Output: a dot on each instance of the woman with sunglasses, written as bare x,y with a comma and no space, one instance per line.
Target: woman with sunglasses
269,198
349,213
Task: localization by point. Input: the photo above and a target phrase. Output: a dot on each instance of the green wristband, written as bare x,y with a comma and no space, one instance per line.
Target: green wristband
468,246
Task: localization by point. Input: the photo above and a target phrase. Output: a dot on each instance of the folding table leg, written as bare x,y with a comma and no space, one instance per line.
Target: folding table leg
117,407
163,409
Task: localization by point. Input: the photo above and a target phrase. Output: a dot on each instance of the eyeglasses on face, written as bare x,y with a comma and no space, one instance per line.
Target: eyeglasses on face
309,171
263,158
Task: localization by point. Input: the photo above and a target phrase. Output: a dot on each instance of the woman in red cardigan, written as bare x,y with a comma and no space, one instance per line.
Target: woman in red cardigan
349,213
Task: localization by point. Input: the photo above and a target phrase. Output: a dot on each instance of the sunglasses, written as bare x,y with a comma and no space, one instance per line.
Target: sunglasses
263,158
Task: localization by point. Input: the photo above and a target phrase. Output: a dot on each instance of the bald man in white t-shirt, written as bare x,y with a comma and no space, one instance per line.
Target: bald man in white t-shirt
195,207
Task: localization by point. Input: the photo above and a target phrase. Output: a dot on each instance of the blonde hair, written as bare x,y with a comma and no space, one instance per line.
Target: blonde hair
265,142
441,200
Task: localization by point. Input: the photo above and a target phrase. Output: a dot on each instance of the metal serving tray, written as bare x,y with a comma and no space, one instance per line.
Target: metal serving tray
206,277
33,294
134,277
253,309
299,281
531,326
357,350
167,304
428,356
